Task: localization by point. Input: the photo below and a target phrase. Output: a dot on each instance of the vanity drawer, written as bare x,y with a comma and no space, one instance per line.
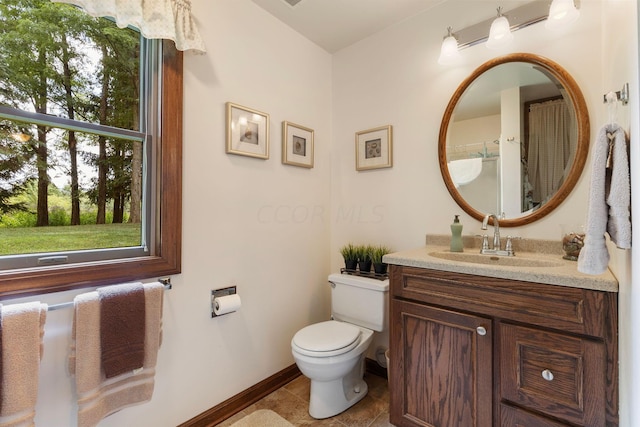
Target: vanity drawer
554,374
563,308
514,417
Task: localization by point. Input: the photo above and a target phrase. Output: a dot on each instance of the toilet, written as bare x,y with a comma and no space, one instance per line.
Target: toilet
332,353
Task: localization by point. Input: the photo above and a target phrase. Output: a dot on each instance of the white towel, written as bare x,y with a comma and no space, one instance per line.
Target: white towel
465,170
22,333
99,397
609,200
619,199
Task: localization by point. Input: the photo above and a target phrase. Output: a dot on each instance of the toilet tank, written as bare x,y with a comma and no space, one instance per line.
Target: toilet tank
361,301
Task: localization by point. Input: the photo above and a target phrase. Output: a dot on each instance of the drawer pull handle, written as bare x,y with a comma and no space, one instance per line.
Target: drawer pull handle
481,331
547,375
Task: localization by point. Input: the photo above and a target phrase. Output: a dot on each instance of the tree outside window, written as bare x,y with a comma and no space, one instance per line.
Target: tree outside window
80,161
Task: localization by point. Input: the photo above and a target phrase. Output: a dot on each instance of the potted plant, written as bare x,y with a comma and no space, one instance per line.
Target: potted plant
350,254
364,258
376,255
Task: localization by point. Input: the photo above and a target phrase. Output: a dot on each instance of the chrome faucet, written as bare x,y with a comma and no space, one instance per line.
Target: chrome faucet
497,245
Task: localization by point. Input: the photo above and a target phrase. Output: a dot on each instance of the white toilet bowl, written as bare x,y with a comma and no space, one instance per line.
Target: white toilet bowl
331,354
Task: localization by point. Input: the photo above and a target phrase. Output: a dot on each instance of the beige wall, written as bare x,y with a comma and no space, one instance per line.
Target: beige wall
393,78
274,230
620,65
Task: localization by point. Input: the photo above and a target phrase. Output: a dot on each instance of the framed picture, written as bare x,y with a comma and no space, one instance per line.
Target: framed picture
297,145
374,148
247,131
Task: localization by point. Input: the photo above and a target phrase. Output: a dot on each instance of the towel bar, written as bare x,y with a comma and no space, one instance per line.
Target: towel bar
165,281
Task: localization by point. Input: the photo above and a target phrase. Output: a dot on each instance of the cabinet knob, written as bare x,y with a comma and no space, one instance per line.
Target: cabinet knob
481,331
547,375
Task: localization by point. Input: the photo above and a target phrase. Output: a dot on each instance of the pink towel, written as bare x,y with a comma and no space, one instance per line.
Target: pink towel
1,358
98,396
22,333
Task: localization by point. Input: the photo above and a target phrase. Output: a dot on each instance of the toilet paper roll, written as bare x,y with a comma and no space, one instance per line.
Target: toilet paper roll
226,304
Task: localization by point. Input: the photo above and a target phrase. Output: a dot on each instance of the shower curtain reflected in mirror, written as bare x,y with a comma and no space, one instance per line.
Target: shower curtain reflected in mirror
551,148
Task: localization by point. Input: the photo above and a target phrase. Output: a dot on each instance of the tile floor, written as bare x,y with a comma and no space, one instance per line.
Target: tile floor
292,403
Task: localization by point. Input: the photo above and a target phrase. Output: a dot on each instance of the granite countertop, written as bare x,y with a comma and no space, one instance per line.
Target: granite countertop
547,267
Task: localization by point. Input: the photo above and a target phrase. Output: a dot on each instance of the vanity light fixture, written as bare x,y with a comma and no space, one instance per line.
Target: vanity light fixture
561,14
500,33
449,51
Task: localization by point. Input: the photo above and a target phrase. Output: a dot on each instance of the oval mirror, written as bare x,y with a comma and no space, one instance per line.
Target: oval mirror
514,139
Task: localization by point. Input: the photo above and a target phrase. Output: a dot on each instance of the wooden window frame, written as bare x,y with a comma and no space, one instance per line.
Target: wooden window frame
168,250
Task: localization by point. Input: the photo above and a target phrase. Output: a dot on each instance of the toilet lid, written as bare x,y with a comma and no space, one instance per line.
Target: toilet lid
329,338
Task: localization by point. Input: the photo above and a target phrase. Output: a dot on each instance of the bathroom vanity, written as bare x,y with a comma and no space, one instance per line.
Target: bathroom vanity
479,344
480,340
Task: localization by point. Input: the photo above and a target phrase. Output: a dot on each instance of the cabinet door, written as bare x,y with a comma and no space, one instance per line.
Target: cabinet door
442,367
555,374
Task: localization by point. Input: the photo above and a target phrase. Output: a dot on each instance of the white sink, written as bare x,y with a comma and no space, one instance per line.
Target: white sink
506,261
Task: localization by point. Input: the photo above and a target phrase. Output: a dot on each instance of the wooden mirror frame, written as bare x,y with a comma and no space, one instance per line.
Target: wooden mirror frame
582,149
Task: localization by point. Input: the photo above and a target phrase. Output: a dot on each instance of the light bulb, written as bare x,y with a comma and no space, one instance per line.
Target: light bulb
500,32
449,51
561,13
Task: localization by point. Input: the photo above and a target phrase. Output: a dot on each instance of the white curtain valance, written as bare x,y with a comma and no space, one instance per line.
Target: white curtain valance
156,19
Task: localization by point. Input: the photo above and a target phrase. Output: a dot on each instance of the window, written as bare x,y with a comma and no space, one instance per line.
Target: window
153,245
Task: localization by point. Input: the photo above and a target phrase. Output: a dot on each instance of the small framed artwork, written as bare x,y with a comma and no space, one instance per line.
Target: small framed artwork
247,131
297,145
374,148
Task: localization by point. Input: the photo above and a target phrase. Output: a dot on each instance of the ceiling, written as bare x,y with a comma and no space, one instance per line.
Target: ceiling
335,24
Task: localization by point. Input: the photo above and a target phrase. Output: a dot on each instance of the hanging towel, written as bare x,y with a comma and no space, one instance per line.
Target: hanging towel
22,333
609,200
98,396
465,170
122,324
619,199
1,358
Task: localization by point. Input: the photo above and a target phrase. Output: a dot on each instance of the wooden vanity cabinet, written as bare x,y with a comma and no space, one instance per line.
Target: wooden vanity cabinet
476,351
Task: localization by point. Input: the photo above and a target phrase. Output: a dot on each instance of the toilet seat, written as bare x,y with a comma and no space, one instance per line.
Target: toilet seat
326,339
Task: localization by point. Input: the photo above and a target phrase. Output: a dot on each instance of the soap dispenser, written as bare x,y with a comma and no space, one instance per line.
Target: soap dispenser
456,235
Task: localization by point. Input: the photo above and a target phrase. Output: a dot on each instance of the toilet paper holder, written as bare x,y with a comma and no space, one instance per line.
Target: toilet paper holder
217,293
